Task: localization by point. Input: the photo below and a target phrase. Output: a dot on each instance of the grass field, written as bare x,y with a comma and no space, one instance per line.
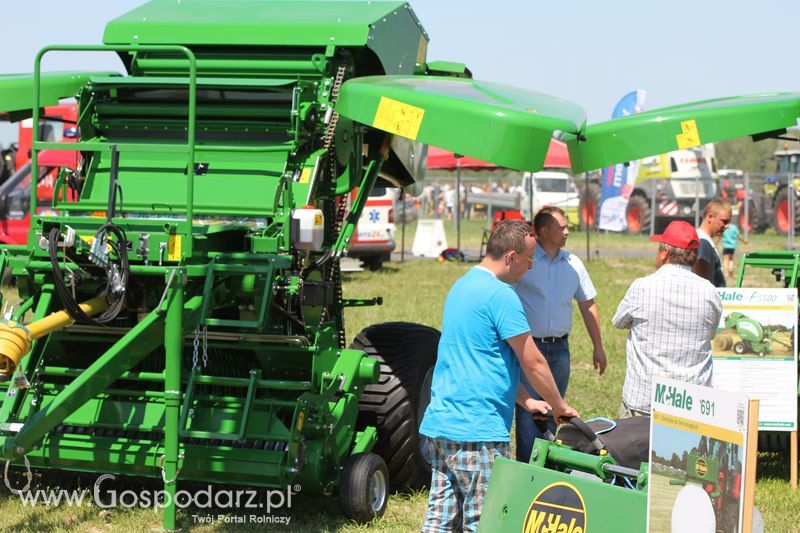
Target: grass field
415,291
661,511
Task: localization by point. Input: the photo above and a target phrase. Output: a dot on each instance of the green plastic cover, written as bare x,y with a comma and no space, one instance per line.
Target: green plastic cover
504,125
683,126
16,90
249,22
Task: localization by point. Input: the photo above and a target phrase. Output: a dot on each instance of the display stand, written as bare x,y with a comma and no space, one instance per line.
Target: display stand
751,458
793,458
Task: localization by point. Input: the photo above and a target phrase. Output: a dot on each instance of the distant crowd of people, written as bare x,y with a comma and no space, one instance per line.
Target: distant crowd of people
439,200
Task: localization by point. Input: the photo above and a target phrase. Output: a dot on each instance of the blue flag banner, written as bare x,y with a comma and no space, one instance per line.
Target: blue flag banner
618,180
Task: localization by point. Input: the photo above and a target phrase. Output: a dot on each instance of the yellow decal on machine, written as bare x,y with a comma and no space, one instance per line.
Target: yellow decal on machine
305,175
399,118
558,508
701,467
689,136
174,248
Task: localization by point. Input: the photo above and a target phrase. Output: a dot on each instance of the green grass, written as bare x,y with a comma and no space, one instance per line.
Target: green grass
415,291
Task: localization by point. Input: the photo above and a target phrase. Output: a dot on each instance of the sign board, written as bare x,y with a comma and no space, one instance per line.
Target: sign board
755,352
429,239
698,467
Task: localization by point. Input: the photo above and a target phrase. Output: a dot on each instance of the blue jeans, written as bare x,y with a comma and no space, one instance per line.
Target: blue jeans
557,356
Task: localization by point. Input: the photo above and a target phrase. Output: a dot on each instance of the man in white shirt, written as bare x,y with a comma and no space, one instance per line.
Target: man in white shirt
672,315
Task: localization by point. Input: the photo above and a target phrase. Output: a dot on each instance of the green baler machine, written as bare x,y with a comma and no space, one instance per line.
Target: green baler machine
195,252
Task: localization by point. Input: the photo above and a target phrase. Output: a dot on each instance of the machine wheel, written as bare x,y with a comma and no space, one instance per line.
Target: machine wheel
773,441
365,487
395,405
372,262
755,220
780,219
637,214
739,348
589,209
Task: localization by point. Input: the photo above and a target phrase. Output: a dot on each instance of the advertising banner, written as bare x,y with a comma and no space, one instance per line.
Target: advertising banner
698,444
755,352
618,180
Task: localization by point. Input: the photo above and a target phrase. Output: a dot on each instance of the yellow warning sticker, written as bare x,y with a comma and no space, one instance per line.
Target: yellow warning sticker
174,248
689,136
318,219
300,418
399,118
89,239
305,175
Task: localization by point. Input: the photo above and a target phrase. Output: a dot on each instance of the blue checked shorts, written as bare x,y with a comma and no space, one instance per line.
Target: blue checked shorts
460,476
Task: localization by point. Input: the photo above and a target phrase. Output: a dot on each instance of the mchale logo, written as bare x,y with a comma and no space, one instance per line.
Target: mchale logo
558,508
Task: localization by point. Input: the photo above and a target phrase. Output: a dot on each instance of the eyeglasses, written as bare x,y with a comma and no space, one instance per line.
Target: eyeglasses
526,258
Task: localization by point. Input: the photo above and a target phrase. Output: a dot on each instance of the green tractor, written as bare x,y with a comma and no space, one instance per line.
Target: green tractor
747,335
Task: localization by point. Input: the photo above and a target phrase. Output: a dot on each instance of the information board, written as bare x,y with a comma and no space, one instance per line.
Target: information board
698,444
755,352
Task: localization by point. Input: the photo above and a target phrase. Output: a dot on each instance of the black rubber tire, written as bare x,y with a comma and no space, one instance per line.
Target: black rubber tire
640,203
756,223
589,206
364,489
372,262
783,196
394,405
739,348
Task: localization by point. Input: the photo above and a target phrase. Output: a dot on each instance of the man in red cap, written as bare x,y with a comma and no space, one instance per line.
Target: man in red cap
672,315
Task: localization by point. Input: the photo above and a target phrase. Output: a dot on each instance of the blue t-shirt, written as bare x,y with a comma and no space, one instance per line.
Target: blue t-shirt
475,380
730,237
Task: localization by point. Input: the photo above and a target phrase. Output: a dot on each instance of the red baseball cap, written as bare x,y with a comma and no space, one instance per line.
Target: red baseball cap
679,234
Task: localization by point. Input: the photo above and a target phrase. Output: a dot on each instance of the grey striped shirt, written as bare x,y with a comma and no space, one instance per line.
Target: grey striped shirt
672,314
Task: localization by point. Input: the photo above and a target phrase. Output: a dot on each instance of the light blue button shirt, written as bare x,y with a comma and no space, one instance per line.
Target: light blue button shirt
547,291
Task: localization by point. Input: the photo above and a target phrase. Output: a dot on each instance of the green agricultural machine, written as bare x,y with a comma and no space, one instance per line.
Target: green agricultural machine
180,313
747,335
562,489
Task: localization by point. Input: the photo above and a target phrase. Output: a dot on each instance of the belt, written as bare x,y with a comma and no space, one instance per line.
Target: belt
551,340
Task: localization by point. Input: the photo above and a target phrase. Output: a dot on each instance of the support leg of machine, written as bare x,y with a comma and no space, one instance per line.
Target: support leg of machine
793,458
173,343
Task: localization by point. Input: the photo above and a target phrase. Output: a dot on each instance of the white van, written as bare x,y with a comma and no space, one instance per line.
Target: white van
373,240
550,188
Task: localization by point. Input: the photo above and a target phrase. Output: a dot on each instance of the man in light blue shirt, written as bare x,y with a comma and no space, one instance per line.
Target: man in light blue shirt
547,291
485,345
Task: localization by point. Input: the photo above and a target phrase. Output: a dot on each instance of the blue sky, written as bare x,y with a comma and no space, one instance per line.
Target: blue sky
589,52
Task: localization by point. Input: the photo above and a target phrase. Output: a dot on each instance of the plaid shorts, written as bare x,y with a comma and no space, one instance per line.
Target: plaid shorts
460,476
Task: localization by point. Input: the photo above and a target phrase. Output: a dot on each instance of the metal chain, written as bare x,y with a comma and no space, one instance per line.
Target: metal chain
164,471
196,345
28,475
339,207
205,345
337,84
